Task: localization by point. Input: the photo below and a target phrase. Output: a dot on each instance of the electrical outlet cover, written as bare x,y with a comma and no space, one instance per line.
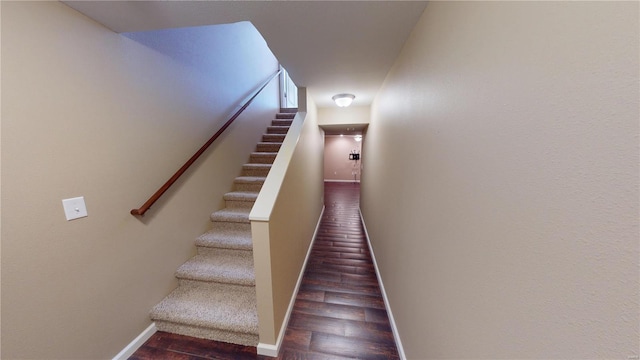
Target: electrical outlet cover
74,208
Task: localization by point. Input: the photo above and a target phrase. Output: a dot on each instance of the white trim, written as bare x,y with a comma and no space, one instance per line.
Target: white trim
343,181
273,350
136,343
268,349
392,321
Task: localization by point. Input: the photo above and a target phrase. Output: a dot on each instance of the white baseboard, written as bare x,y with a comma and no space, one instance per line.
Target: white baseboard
273,350
343,181
268,349
136,343
392,321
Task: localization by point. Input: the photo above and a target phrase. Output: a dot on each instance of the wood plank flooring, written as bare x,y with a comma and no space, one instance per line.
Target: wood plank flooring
339,312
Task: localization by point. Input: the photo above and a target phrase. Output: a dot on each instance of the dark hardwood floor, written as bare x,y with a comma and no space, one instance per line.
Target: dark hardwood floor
339,312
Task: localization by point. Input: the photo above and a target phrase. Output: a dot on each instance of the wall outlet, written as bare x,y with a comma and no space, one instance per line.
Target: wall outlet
74,208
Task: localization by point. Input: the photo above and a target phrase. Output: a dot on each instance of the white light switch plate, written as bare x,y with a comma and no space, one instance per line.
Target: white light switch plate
74,208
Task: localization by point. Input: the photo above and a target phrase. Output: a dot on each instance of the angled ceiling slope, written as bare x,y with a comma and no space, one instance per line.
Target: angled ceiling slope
327,46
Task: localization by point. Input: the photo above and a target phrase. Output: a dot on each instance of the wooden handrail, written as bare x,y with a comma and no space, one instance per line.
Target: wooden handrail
195,156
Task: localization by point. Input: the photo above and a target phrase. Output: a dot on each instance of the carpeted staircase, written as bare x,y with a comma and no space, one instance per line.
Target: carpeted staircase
216,295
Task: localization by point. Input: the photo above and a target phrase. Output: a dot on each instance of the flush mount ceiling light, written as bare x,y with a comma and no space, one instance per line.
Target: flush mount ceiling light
343,100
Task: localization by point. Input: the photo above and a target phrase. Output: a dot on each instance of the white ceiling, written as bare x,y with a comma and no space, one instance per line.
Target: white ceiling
329,47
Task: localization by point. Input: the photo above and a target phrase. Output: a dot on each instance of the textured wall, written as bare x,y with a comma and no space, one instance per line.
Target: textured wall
500,184
90,112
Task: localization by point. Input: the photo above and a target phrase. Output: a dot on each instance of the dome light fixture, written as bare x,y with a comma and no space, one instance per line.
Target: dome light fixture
343,100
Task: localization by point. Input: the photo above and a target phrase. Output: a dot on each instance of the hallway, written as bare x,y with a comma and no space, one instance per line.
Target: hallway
339,311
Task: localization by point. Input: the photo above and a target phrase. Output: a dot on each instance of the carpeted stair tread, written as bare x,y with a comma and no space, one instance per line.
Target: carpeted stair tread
268,146
220,306
256,169
277,129
249,183
224,266
256,166
285,115
234,215
281,122
277,138
263,157
208,333
227,239
241,196
250,179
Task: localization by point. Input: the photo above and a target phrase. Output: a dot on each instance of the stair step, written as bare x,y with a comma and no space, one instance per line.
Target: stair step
237,199
281,122
232,215
288,110
277,129
223,266
241,196
263,157
219,312
249,183
216,297
216,239
268,147
285,115
208,333
273,138
255,169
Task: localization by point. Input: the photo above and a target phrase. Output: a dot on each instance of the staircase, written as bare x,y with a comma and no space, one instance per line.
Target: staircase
216,296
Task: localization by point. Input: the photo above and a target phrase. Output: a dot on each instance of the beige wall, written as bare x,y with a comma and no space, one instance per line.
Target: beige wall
87,112
352,115
509,229
284,219
337,166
